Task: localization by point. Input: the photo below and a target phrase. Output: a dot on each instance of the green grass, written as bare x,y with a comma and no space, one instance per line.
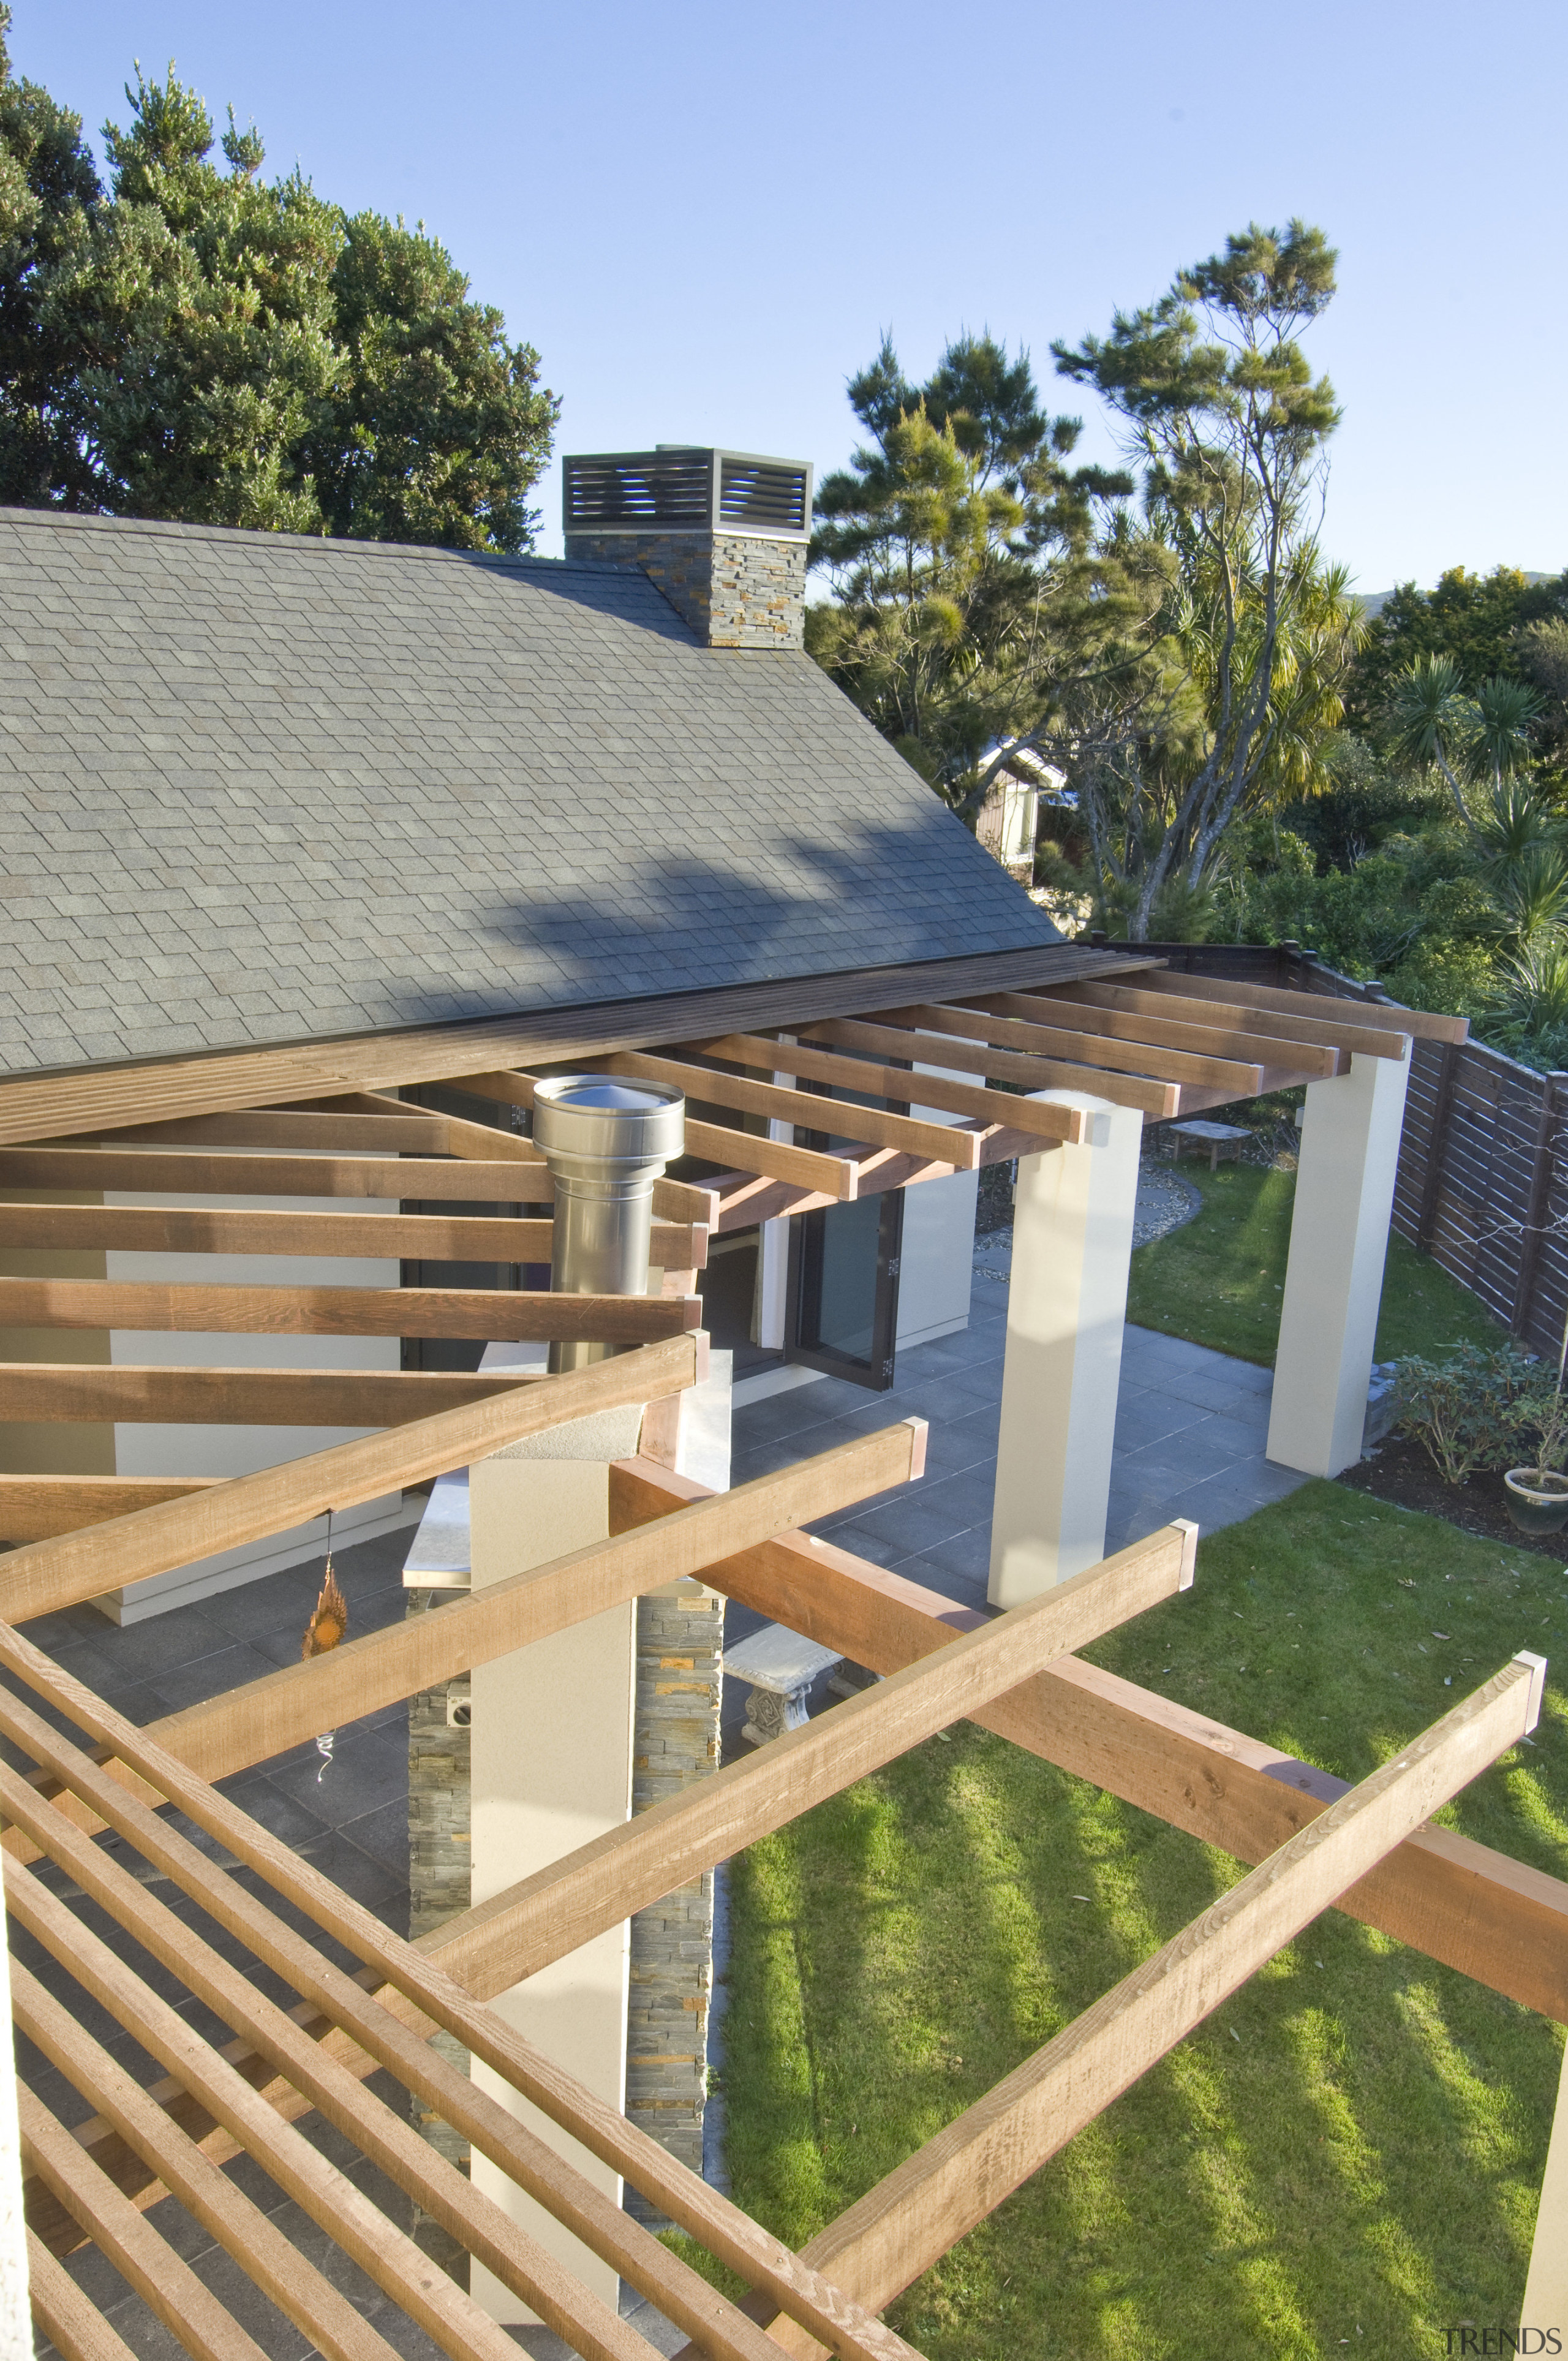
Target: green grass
1353,2143
1220,1281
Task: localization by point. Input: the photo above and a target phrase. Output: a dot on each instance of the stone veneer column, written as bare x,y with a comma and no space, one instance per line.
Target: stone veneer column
736,590
680,1642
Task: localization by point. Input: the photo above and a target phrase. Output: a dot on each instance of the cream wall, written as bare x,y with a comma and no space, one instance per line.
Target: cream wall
148,1449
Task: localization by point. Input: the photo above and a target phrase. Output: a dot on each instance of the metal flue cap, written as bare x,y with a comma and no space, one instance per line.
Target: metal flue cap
593,1117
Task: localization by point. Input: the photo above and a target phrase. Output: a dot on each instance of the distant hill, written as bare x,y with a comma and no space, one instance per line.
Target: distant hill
1372,602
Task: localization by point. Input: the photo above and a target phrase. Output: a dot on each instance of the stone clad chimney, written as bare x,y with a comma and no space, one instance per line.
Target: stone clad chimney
723,533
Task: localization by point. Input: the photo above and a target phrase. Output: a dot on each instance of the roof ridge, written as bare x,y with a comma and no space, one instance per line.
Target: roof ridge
170,528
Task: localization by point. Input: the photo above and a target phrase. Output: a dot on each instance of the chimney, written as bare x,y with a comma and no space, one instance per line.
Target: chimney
723,533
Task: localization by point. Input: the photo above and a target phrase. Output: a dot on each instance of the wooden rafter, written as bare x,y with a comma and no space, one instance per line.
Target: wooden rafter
44,1577
496,1315
166,1396
415,1238
911,2219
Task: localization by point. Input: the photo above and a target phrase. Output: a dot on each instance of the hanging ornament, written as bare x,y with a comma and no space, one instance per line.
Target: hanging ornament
325,1629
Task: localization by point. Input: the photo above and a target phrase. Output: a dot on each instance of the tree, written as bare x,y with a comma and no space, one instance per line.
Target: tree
436,429
211,347
1222,416
201,309
970,591
1473,619
1470,740
48,195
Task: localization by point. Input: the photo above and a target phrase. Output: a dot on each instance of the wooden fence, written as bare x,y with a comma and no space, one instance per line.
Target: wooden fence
1483,1179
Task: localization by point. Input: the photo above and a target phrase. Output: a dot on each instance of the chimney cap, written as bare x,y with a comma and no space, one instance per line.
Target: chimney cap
686,488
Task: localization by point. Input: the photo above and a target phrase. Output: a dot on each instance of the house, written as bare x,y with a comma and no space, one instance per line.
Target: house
324,862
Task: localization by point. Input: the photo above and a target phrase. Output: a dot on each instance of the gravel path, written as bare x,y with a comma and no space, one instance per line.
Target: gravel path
1164,1202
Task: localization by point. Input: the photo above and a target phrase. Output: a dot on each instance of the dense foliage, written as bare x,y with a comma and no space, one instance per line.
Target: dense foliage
205,344
1241,750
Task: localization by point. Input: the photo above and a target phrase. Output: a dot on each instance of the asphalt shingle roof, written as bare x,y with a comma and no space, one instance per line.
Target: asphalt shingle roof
257,788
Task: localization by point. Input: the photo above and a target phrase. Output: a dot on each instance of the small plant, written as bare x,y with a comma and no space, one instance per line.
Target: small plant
1545,1415
1461,1410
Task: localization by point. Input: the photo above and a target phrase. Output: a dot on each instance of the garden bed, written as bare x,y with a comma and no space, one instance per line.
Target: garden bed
1403,1472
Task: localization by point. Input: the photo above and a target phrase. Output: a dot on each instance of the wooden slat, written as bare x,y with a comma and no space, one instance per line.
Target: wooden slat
1233,1039
1043,1017
413,2280
414,1237
231,1172
43,1577
178,1396
1261,1024
525,1927
1076,1057
33,1507
97,1098
163,2279
273,1129
909,2220
265,1718
527,2161
738,2241
834,1175
1419,1022
69,2318
876,1124
1493,1918
744,1198
1057,1124
277,2265
494,1314
957,1038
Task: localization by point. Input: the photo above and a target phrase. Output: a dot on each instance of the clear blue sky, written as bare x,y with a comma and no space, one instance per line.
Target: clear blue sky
703,215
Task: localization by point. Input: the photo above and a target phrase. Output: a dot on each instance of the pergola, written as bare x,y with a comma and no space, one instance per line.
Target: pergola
256,1936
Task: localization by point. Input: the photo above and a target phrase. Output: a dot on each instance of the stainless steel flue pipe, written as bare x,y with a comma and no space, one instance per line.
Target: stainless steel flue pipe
606,1142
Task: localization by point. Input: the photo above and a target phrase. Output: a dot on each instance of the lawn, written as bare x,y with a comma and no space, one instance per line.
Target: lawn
1220,1279
1351,2149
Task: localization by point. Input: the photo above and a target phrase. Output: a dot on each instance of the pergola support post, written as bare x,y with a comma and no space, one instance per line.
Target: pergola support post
1546,2287
1072,1239
1334,1278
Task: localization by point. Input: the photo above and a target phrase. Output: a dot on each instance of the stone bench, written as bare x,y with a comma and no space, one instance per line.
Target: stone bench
779,1669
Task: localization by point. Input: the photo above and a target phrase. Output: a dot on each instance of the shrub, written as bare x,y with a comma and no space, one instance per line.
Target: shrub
1460,1410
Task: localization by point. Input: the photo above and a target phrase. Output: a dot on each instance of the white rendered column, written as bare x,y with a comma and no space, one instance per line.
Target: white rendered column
552,1768
1546,2287
1072,1238
16,2316
1333,1279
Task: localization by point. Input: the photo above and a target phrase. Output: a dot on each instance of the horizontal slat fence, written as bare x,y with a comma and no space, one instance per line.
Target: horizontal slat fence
1483,1178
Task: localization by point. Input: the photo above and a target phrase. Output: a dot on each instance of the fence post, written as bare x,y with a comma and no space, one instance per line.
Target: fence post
1437,1142
1536,1205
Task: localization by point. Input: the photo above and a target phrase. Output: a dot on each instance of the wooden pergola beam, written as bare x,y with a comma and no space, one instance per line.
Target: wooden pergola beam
413,1237
1494,1920
41,1106
1421,1024
1046,1019
178,1397
942,1036
496,1315
1271,1033
420,1985
34,1507
43,1577
876,1125
265,1718
912,2218
834,1179
525,1927
234,1172
1053,1123
1106,1020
